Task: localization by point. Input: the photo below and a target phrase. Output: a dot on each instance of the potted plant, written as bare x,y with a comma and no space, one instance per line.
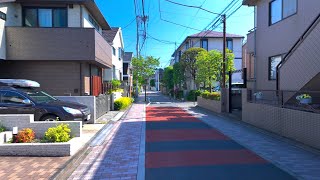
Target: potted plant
304,99
258,95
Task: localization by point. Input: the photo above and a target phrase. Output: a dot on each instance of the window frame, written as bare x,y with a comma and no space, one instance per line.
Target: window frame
230,40
94,22
37,9
282,18
269,66
9,91
201,43
114,51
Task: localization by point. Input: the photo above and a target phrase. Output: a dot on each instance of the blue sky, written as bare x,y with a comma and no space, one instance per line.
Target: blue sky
119,13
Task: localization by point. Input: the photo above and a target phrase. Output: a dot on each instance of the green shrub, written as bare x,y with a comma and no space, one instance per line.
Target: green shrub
122,103
26,135
2,128
116,84
211,96
60,133
193,94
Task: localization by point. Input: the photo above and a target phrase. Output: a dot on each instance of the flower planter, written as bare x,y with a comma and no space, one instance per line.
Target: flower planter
305,100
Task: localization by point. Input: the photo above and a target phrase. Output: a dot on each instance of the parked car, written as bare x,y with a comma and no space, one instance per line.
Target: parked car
25,97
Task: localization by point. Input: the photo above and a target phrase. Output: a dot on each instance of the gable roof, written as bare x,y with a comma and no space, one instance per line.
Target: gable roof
249,2
214,34
109,35
127,57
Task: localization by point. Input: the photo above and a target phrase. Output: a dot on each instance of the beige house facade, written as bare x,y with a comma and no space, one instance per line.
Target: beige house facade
57,43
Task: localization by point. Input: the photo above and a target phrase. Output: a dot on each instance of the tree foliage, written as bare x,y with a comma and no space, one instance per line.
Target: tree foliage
168,77
178,73
144,68
188,61
152,83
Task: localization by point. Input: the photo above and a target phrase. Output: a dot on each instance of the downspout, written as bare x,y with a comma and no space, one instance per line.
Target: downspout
255,47
91,82
81,16
81,82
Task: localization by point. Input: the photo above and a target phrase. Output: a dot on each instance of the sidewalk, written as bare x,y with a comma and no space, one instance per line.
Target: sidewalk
118,156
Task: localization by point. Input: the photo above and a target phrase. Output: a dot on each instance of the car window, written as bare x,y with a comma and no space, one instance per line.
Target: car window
12,98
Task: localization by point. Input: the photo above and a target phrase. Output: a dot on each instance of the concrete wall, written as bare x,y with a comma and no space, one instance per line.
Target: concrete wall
74,16
280,37
211,105
297,125
57,78
40,127
102,104
89,101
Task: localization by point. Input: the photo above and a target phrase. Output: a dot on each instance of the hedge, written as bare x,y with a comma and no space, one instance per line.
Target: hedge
122,103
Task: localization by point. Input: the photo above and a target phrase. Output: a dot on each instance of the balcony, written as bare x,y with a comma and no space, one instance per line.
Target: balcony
58,44
250,41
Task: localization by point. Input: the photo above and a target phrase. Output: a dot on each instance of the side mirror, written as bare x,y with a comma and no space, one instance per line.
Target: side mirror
27,102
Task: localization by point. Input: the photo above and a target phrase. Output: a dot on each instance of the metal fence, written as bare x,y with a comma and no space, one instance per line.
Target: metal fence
299,100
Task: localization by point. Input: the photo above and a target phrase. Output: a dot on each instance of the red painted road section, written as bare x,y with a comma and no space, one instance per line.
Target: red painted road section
200,158
183,135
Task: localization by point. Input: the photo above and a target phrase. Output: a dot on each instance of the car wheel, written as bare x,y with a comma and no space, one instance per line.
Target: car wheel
50,118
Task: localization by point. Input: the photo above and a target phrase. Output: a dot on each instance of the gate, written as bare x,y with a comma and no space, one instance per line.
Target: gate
96,85
235,92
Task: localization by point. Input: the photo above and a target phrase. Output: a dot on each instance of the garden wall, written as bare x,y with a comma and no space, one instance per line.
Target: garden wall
40,127
294,124
211,105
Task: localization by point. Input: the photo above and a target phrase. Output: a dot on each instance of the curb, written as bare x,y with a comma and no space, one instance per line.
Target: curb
68,167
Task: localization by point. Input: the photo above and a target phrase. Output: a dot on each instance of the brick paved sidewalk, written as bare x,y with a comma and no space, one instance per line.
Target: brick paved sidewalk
118,156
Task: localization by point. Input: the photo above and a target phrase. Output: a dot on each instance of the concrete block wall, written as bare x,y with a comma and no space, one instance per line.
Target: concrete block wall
211,105
294,124
40,127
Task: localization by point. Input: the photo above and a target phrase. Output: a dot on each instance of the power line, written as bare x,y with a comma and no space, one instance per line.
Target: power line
190,6
129,23
174,22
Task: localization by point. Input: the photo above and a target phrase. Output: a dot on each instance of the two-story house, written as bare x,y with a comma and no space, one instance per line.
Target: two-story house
212,40
57,43
114,38
284,46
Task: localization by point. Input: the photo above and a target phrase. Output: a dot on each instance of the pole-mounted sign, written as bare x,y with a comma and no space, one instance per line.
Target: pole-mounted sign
3,16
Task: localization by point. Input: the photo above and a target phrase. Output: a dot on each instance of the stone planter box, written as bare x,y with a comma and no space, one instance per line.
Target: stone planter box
40,149
211,105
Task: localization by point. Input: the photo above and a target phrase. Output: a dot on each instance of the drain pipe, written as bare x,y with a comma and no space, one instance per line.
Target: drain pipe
255,48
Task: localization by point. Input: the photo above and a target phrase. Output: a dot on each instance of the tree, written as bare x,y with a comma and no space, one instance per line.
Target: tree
168,77
144,68
178,74
188,61
209,65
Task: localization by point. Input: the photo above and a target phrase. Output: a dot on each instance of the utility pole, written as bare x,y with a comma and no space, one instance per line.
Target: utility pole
224,52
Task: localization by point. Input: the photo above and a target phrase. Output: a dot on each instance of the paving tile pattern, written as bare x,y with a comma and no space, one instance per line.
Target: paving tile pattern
29,167
118,156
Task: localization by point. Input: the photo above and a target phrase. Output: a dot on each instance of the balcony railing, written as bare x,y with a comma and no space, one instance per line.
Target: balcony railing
69,44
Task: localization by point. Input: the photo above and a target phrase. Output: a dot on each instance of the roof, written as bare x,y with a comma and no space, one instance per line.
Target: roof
89,4
214,34
128,56
109,35
249,2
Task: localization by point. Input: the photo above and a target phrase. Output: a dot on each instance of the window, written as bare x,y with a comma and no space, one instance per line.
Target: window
273,63
94,23
120,53
12,98
179,55
280,9
204,44
45,17
187,45
230,44
113,51
125,68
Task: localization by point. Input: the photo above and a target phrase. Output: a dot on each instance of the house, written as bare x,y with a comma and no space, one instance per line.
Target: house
158,78
212,40
56,43
127,72
286,40
115,39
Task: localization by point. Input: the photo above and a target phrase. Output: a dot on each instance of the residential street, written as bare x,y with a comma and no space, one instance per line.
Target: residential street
177,141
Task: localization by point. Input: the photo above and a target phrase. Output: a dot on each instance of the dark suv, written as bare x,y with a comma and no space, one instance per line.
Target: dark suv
28,100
